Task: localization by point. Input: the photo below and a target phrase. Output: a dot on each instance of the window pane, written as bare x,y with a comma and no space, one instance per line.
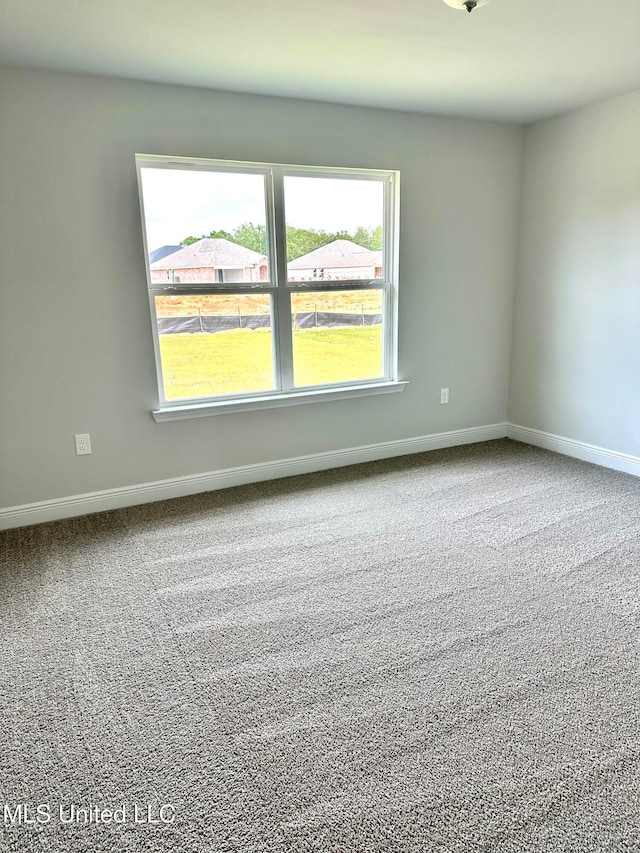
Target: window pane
213,345
337,336
205,227
334,228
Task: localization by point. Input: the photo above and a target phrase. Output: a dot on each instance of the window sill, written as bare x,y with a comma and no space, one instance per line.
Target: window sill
295,398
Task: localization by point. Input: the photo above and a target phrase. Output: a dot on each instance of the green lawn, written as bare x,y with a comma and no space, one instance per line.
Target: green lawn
337,355
205,365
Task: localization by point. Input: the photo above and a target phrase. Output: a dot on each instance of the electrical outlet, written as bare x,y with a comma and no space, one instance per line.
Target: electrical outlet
444,396
83,444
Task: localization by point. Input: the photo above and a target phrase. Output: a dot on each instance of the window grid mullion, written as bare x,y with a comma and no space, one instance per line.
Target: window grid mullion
282,299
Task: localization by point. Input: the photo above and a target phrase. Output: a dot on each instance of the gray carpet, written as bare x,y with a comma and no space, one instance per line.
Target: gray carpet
432,653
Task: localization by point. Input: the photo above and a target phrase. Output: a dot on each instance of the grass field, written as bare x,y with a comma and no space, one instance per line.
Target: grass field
205,365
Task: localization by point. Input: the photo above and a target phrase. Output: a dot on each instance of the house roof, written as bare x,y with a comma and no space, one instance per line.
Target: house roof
213,252
162,252
340,253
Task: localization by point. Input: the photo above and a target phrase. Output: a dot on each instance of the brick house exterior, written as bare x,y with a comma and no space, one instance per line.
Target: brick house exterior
210,260
340,259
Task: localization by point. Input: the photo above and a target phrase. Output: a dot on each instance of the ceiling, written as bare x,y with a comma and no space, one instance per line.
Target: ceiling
518,60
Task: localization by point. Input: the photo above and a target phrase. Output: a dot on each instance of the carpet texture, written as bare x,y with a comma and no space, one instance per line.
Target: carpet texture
431,653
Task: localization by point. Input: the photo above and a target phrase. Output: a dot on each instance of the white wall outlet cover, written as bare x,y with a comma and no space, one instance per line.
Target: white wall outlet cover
83,444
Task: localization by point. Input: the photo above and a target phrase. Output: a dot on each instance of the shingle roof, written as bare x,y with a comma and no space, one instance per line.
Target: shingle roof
162,252
340,253
213,252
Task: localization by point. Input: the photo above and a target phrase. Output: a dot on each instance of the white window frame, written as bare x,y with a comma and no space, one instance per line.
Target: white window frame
280,289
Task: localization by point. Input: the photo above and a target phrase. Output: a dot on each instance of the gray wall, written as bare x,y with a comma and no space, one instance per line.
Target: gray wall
576,334
75,335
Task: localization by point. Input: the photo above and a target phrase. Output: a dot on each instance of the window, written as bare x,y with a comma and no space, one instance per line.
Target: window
268,284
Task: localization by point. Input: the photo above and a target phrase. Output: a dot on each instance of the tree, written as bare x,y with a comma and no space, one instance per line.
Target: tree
212,234
362,236
251,236
301,241
369,238
376,239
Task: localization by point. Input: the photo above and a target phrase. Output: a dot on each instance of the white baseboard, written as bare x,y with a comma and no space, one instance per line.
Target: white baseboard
578,449
67,507
36,513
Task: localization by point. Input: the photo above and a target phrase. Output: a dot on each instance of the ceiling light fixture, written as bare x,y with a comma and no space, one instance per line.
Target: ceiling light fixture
469,5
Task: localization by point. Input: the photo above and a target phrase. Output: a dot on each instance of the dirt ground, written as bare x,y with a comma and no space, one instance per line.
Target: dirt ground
369,301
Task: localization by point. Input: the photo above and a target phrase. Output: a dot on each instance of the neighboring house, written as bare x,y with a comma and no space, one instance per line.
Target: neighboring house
341,259
210,259
162,252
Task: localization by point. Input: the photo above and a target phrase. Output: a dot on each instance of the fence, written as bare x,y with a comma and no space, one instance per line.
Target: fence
212,323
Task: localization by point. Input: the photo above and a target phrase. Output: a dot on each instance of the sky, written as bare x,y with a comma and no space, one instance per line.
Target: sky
181,203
